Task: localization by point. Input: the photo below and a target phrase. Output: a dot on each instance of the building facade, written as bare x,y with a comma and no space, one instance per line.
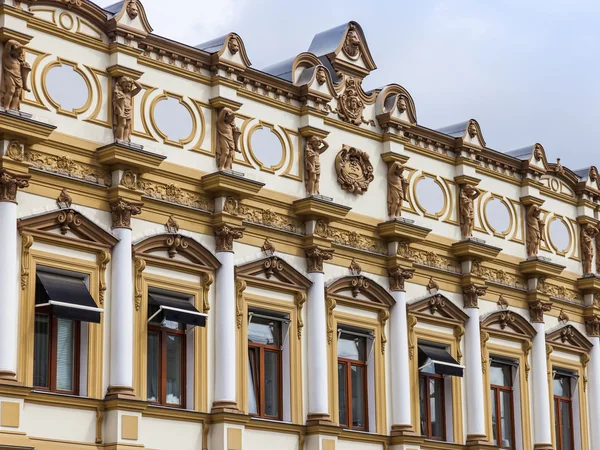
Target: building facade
198,254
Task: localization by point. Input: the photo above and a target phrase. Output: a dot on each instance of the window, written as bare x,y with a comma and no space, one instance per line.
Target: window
501,385
434,364
169,316
563,411
62,304
266,334
353,348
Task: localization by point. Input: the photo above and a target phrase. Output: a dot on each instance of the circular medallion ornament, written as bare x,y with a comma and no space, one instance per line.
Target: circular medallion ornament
351,47
354,170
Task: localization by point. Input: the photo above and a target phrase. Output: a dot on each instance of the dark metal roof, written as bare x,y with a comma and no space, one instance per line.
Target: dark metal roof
212,46
522,153
327,41
582,173
282,69
115,8
456,130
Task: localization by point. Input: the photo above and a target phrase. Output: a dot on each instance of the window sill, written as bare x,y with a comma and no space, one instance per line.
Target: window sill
62,400
271,424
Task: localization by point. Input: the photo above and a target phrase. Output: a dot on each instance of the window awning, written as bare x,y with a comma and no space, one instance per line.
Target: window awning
66,297
176,310
438,360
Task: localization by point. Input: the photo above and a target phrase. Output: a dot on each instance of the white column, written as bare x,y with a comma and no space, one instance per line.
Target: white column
594,390
474,379
542,430
225,333
9,291
400,387
318,379
121,316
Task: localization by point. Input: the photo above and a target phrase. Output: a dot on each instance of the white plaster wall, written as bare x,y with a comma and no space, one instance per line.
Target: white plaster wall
257,439
59,423
166,434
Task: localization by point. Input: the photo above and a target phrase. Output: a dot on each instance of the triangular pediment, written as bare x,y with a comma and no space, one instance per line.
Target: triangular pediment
273,268
69,223
437,305
361,288
176,246
509,322
569,338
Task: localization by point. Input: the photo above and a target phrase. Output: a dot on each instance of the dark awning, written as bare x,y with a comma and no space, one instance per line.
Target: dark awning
66,297
175,310
438,360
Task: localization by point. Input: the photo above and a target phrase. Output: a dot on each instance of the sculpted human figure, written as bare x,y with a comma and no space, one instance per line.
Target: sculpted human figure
468,194
587,247
397,187
227,139
534,230
312,155
125,89
15,71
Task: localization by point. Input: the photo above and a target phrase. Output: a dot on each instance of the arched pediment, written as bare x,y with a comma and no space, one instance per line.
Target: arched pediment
176,244
568,338
273,268
394,104
509,322
437,305
229,47
467,132
70,224
360,287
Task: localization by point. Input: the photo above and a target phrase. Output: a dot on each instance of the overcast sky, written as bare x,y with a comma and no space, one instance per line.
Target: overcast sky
527,70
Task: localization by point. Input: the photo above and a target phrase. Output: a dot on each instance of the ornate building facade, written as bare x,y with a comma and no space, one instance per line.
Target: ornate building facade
354,280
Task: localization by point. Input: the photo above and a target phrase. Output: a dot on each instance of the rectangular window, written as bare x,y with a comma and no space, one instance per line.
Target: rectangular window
265,393
352,380
502,402
563,411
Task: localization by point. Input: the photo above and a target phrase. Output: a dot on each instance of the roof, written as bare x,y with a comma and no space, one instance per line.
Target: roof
212,46
456,130
521,153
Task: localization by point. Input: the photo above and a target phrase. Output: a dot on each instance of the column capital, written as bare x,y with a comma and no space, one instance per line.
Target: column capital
10,183
225,234
592,325
471,294
398,275
122,210
537,310
315,256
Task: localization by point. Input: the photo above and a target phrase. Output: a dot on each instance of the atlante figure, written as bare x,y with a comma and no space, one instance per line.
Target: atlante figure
397,189
468,194
15,71
125,89
312,163
534,230
227,140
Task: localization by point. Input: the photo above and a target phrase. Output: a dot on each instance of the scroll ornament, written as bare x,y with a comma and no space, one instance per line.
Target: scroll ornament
354,170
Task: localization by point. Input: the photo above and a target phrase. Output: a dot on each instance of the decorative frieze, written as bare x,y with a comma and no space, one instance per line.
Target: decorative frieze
122,210
559,292
471,294
498,276
537,310
398,276
66,166
350,239
428,258
269,218
225,235
10,184
315,257
174,194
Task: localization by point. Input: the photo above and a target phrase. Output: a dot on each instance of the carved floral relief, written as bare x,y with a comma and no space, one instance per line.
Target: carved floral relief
354,170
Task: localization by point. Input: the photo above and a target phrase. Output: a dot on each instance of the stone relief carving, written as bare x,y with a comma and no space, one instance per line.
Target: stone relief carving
66,166
227,139
401,104
15,73
124,90
471,294
64,200
351,47
138,286
350,238
588,235
9,184
397,277
321,76
537,310
397,189
498,276
128,179
559,292
432,287
558,168
534,225
271,219
383,316
122,211
472,129
268,248
102,258
224,236
312,163
592,325
233,45
174,194
354,268
231,206
172,226
428,258
132,9
315,257
14,150
354,170
350,107
468,194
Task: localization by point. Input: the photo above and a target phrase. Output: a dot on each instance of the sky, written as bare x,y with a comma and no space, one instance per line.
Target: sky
526,70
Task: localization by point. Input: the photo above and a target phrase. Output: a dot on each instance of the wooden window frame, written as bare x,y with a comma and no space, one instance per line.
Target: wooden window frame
349,363
163,332
260,395
427,377
558,399
496,390
53,355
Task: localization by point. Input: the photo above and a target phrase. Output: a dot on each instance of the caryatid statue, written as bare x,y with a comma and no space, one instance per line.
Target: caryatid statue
15,71
227,139
312,163
468,194
534,226
125,89
397,189
588,233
